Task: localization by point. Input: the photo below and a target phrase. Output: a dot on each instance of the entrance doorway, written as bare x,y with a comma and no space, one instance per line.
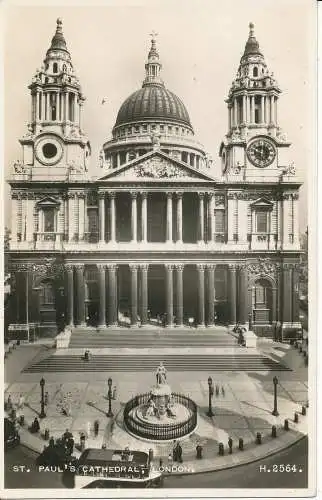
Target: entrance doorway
262,302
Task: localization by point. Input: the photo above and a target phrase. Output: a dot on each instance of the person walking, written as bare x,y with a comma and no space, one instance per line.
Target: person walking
21,403
179,452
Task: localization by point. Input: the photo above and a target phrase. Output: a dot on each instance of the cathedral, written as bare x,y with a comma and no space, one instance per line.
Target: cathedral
157,234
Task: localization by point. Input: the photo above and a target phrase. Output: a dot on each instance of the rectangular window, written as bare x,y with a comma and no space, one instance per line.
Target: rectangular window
219,221
261,222
49,220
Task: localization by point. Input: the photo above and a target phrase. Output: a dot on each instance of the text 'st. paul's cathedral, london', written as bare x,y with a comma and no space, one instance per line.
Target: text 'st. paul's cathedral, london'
158,234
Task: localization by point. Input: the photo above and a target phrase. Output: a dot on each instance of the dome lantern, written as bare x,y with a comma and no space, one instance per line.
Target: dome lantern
153,66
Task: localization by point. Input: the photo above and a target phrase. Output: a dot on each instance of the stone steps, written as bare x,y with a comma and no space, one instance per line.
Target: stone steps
147,363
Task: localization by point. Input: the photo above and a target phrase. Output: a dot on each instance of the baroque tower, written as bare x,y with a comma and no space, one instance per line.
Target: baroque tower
255,148
55,145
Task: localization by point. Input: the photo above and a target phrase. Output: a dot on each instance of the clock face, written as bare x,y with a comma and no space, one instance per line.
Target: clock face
261,153
49,150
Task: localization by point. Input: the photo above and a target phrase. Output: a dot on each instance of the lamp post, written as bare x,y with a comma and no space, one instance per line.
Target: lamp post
109,382
42,402
210,413
275,412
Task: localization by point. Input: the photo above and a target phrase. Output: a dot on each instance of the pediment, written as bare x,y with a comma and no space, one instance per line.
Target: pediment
262,203
156,166
48,202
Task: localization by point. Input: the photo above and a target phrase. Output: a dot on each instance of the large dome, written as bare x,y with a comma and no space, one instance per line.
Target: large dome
153,101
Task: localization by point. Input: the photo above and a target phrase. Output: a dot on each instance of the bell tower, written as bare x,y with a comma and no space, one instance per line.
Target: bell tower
255,148
55,144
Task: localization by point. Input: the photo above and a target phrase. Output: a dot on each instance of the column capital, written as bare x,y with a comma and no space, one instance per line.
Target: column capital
69,267
201,194
169,194
201,267
134,195
169,267
232,267
133,267
179,194
112,267
101,267
112,195
79,267
211,267
179,267
144,194
210,195
144,267
81,195
101,195
71,195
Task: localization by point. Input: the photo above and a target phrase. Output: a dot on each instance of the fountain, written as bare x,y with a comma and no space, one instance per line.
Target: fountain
160,414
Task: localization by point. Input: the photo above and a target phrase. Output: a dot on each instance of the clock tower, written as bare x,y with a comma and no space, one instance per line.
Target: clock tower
255,148
55,147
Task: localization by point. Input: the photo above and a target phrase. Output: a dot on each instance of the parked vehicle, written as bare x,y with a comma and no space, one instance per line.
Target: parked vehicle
11,435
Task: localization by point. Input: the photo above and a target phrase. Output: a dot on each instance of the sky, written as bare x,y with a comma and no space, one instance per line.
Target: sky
200,44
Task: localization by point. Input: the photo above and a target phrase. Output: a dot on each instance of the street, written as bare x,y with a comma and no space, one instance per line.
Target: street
247,476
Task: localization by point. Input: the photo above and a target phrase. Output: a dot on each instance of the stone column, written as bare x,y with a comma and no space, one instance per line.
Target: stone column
80,294
287,301
102,295
169,293
134,216
71,220
201,294
101,197
210,216
232,294
230,219
286,220
144,294
179,217
179,290
81,212
14,218
262,109
112,196
229,116
112,295
30,217
70,295
235,113
252,109
244,109
169,217
201,218
134,294
271,108
296,230
274,304
211,294
242,295
144,217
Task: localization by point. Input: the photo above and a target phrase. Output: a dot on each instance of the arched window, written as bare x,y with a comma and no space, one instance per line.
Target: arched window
55,67
255,71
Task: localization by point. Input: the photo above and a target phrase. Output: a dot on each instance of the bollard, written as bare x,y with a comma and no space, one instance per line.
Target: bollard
300,349
22,420
286,427
13,414
199,451
274,431
296,417
96,427
221,449
303,410
241,444
151,454
46,435
82,441
258,438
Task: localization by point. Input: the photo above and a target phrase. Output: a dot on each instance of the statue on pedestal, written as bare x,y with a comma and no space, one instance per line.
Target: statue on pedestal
161,374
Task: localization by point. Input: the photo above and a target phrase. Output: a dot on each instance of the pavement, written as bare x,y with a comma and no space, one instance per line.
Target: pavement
241,412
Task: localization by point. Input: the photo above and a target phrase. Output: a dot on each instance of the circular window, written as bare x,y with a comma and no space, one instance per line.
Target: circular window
49,150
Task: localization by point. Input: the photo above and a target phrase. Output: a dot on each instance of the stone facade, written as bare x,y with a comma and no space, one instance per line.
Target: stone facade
157,232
